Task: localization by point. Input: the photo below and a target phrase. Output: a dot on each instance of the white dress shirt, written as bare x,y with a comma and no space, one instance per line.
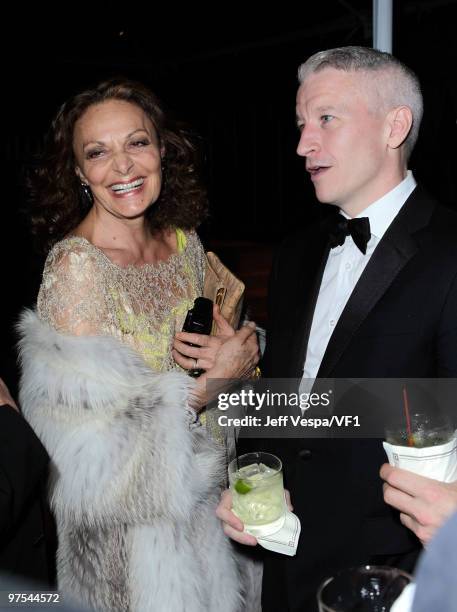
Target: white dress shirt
343,269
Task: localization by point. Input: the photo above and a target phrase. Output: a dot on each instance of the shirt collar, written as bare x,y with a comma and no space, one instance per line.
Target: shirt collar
383,211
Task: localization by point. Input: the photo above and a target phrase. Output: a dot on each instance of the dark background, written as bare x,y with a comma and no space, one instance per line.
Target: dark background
231,74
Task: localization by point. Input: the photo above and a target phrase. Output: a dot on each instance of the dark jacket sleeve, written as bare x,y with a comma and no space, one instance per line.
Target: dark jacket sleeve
266,364
446,338
23,463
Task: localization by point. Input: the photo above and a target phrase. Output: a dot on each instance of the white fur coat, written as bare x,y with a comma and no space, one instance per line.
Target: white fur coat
133,490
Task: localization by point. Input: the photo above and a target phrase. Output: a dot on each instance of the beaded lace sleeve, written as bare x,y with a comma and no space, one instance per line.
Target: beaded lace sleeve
72,297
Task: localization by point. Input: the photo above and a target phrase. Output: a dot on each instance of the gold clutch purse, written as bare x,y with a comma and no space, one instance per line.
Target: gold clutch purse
224,288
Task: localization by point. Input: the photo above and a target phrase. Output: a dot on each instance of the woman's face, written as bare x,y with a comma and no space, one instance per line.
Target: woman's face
117,154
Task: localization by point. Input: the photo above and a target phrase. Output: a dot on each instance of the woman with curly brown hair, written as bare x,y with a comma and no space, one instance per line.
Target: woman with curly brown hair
134,481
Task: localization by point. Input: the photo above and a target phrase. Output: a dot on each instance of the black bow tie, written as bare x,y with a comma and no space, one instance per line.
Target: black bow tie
339,227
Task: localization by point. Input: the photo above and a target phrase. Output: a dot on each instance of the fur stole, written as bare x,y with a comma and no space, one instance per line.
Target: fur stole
132,488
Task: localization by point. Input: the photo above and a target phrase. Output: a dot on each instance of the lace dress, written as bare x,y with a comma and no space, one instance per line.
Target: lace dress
84,293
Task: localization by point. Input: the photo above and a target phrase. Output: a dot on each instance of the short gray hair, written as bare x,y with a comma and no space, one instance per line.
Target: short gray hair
394,83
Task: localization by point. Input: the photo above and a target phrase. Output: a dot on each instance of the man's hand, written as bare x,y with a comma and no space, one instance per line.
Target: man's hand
232,525
424,503
5,396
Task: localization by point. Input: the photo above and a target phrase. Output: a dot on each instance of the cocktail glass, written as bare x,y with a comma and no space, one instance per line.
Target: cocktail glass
424,430
258,492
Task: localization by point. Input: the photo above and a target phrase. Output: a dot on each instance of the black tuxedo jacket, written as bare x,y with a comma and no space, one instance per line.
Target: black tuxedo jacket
400,321
23,472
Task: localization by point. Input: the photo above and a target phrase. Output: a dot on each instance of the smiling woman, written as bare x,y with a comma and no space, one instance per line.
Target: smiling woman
61,198
119,158
135,481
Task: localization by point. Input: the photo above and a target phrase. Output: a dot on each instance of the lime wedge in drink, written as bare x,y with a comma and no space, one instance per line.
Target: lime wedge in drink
242,487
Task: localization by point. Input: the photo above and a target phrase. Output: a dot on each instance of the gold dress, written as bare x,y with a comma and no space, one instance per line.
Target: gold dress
83,292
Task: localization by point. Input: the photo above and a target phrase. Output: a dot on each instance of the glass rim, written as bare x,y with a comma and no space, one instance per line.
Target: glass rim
348,570
403,428
435,436
233,465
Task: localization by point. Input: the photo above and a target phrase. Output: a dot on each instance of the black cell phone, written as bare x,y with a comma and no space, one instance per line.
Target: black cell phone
199,320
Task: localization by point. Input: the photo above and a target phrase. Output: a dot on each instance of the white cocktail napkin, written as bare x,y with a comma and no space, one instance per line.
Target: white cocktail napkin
404,603
438,462
284,541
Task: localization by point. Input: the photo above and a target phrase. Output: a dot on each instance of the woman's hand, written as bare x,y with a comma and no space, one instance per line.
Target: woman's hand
202,356
236,359
239,358
228,355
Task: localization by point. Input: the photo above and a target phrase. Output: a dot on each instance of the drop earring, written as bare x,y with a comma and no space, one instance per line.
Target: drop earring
162,170
87,192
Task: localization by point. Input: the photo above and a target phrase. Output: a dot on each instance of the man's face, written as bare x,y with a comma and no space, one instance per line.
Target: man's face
343,139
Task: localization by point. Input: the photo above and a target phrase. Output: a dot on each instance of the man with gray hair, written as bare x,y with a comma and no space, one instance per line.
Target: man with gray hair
372,293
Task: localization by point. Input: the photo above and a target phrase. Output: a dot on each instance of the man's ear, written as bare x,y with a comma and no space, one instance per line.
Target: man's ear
399,121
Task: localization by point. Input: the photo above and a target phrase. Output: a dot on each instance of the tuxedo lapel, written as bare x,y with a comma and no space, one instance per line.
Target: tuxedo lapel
311,273
393,252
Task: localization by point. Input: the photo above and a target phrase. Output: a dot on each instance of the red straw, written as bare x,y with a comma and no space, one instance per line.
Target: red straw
409,433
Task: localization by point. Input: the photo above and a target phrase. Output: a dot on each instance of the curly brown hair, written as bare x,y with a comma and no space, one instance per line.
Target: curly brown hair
58,203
